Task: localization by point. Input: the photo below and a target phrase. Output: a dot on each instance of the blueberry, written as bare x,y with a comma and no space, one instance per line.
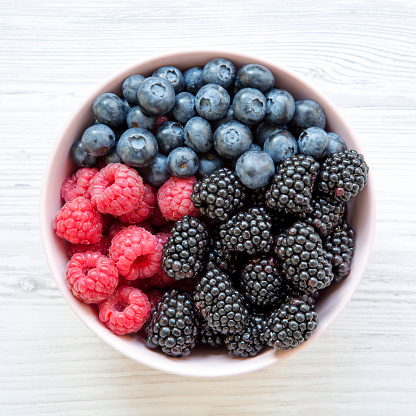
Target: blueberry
232,139
255,76
308,113
193,79
156,174
219,71
80,157
198,134
264,130
209,163
313,142
249,106
255,146
254,169
280,145
169,135
212,102
136,117
335,144
130,86
109,109
137,147
127,105
112,157
173,76
184,108
228,117
182,162
156,96
98,140
280,107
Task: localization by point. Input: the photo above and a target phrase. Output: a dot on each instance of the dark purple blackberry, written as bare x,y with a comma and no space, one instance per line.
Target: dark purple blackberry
343,175
219,303
182,256
173,325
209,336
219,194
249,232
305,262
340,248
290,325
291,186
216,257
261,282
249,342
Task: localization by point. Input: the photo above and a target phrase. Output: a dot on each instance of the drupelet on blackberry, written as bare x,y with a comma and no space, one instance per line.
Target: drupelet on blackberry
209,336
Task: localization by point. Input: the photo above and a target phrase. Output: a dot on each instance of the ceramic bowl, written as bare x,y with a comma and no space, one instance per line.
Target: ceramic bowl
202,362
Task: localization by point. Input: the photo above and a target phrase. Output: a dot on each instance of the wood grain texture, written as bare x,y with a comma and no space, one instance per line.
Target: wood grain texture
361,54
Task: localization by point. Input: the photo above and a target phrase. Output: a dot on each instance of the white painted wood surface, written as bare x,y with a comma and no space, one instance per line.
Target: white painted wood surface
361,53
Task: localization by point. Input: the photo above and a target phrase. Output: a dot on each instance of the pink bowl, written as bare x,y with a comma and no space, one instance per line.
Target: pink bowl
202,362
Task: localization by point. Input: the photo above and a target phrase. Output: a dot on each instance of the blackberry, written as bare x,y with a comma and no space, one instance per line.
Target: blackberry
291,187
248,232
218,258
219,303
182,255
323,214
290,325
219,194
340,248
248,342
209,336
261,282
343,175
173,325
305,262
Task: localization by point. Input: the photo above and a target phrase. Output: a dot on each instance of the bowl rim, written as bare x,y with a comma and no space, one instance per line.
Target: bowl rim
249,365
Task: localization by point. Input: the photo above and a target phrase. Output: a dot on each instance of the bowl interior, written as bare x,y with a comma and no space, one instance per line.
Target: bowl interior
203,362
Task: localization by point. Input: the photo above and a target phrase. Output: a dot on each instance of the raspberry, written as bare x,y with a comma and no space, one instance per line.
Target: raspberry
158,219
136,253
116,189
174,198
102,247
125,311
78,184
79,222
160,279
145,208
118,226
154,296
91,277
159,121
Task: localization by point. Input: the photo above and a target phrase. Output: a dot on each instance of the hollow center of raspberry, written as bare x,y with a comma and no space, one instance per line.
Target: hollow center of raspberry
120,306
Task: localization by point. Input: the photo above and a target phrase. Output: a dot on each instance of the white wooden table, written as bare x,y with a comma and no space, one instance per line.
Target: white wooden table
361,54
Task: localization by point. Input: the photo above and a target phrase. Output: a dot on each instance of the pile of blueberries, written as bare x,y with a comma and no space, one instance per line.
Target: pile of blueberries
196,122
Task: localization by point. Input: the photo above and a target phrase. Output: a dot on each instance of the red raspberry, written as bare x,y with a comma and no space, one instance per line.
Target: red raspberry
118,226
159,121
174,198
167,229
160,279
78,184
158,219
154,296
145,208
136,253
125,311
91,277
116,189
79,222
102,247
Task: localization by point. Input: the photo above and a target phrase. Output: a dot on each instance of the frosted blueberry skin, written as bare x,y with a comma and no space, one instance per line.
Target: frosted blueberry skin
198,134
169,135
109,109
80,157
220,71
173,76
335,144
280,107
136,117
156,96
280,145
228,117
264,130
308,113
193,79
112,157
184,108
208,163
98,139
249,106
255,147
212,102
313,142
182,162
137,147
255,169
156,174
130,86
255,76
232,139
